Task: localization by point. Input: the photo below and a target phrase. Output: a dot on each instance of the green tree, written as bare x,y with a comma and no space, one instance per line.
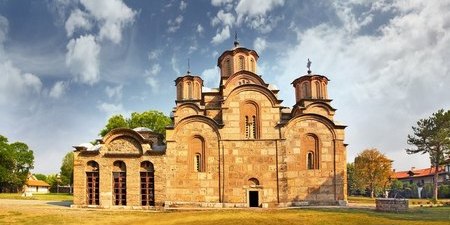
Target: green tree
41,176
154,120
16,160
67,169
432,136
116,121
396,187
372,171
351,184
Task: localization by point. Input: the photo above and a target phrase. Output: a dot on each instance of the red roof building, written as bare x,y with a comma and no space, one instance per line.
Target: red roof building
422,176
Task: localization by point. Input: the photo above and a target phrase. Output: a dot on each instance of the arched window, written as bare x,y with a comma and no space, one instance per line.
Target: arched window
197,154
252,63
92,183
180,91
189,90
310,161
196,92
119,183
318,92
241,63
147,184
228,67
250,120
311,147
305,90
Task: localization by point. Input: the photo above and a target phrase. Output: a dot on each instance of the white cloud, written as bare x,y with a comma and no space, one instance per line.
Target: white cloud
111,109
220,2
154,70
112,16
222,36
256,7
58,90
223,18
82,59
175,24
259,44
183,5
114,91
200,29
211,77
150,75
16,85
77,20
175,68
152,55
381,83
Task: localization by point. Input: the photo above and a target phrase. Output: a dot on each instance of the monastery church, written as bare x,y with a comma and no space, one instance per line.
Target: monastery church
231,146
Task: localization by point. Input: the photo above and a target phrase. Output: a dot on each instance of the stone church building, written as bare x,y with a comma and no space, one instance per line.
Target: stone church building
231,146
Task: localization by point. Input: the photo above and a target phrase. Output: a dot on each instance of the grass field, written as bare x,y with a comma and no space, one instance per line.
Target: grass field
53,212
46,197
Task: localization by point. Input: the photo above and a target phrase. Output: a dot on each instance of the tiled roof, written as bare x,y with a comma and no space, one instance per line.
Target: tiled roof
38,183
417,173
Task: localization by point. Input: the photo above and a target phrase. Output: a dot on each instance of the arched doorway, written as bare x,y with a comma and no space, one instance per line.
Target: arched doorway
253,197
147,184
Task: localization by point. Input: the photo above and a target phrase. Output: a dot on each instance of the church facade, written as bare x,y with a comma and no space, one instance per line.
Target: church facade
231,146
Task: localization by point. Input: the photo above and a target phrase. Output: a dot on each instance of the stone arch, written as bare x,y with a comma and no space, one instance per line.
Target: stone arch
253,87
198,118
197,153
311,147
253,182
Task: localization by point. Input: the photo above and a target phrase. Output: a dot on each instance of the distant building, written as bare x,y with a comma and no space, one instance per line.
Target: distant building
231,146
423,176
33,185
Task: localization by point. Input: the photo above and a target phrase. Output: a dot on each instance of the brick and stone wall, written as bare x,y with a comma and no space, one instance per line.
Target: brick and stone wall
391,205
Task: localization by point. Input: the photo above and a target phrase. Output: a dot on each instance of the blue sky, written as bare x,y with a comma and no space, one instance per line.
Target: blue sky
66,66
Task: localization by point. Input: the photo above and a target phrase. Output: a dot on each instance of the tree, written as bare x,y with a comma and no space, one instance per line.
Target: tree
372,171
432,136
116,121
16,160
351,185
41,176
67,169
154,120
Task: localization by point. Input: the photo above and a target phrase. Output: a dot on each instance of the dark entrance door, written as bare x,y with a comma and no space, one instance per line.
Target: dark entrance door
254,198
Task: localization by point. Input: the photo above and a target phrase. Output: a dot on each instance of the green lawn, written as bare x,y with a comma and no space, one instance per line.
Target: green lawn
46,197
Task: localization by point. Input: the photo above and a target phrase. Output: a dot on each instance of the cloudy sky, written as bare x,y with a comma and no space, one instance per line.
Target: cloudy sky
66,66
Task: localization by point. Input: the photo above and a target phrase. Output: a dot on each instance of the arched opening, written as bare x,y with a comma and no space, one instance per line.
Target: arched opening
197,154
180,91
310,161
92,183
119,183
147,173
228,67
250,120
311,147
189,90
305,90
252,63
318,92
241,63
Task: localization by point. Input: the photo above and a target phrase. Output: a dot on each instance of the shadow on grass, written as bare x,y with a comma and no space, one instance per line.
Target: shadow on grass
65,203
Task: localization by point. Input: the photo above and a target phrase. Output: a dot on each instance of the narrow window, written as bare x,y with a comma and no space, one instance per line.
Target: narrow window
147,184
318,92
92,184
180,91
119,183
252,62
198,162
310,161
189,90
197,154
253,127
305,90
228,67
241,63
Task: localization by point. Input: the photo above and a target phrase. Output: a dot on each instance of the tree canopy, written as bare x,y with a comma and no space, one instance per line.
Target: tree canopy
372,171
432,136
67,169
154,120
16,160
